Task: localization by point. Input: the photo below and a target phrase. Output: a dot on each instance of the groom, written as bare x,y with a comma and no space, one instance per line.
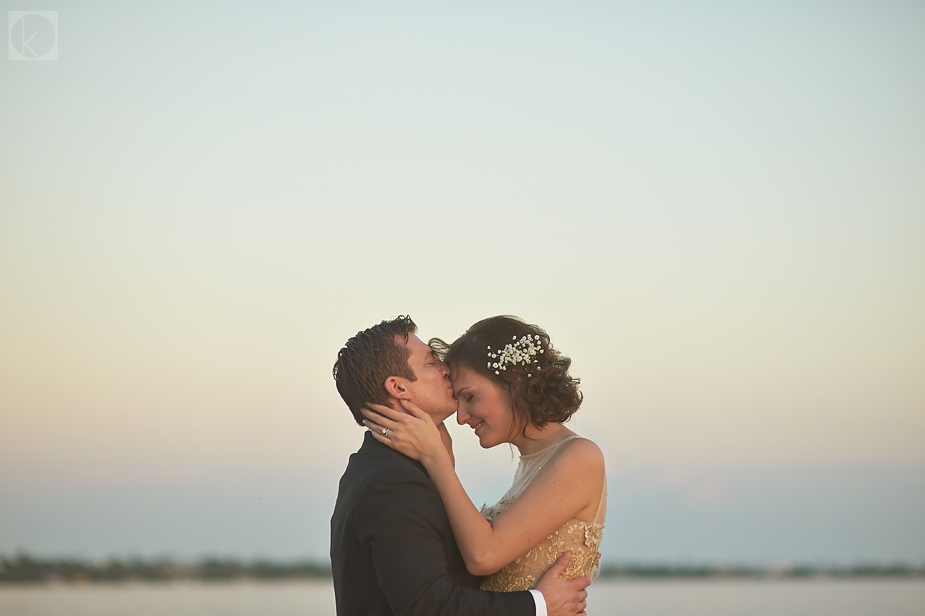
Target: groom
392,549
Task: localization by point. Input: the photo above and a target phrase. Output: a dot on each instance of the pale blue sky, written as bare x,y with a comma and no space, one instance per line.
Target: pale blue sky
718,211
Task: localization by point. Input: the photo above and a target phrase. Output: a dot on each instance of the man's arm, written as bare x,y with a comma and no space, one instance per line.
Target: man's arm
398,521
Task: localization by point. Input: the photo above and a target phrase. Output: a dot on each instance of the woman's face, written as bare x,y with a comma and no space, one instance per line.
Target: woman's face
484,405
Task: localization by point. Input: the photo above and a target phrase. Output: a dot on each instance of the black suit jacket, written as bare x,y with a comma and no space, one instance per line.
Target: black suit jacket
392,549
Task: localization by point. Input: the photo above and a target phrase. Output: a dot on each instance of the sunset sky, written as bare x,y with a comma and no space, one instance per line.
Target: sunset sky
718,211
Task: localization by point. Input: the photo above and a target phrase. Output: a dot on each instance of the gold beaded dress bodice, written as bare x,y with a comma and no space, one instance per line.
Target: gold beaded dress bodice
582,539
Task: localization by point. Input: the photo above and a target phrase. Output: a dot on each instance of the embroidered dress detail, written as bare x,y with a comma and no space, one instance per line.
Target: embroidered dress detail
582,539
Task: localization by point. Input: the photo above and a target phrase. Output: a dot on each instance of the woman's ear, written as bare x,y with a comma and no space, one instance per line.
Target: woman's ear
395,387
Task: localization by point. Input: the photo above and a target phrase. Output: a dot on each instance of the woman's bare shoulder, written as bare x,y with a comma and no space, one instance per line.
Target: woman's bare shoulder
580,454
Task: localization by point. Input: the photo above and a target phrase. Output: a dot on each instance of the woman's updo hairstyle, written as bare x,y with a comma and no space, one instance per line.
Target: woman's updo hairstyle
541,388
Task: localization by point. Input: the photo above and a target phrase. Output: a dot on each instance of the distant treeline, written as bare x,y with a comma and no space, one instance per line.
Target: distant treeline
26,569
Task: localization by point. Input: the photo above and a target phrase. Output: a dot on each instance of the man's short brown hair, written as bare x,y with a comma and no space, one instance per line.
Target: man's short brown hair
368,359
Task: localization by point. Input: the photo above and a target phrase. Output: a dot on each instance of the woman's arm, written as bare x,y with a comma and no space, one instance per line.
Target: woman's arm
447,441
571,483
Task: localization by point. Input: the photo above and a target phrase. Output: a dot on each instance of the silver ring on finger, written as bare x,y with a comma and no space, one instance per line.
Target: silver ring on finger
385,431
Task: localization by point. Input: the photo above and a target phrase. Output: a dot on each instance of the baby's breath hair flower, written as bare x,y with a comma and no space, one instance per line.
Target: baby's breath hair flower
523,352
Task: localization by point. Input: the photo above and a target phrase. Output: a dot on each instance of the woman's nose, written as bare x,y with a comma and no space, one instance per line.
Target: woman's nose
461,416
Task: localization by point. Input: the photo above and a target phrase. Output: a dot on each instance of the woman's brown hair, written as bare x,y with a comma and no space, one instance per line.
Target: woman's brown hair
541,392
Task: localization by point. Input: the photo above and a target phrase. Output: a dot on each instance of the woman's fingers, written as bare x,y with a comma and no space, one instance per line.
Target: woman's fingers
382,433
380,420
412,408
386,411
382,439
372,425
378,427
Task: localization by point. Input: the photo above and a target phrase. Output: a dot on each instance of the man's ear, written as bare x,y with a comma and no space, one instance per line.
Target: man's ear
395,386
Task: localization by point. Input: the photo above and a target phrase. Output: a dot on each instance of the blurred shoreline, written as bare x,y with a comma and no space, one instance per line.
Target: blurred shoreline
25,569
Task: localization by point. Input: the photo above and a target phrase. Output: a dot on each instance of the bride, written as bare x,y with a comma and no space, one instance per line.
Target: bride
512,386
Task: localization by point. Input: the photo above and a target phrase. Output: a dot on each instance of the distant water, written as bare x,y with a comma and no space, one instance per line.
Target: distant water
607,598
758,598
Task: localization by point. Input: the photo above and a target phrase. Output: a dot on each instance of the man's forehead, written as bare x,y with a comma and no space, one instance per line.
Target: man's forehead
415,345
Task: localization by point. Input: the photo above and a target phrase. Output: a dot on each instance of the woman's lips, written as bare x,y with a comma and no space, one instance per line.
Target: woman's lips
476,427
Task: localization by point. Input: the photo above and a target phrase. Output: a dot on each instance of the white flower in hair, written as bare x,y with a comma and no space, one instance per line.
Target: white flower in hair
523,352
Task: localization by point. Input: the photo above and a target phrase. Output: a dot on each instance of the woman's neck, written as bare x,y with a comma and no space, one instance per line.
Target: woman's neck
537,439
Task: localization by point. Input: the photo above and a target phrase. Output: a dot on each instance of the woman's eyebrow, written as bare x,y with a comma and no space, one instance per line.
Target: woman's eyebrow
462,390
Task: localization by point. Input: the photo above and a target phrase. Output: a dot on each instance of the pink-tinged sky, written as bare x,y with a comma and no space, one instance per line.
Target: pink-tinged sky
718,211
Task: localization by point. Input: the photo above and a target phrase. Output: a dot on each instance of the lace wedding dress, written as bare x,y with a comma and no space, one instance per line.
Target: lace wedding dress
582,539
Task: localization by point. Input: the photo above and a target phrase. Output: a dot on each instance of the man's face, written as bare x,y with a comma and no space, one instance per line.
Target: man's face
432,392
